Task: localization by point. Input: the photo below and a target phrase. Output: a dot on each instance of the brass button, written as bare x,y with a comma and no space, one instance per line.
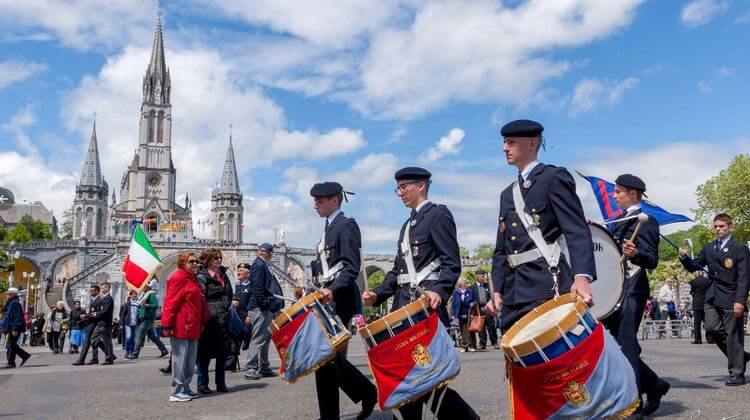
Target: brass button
416,242
512,238
501,219
533,210
515,251
402,270
514,224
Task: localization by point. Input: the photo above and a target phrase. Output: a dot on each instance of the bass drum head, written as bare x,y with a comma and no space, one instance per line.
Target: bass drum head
610,278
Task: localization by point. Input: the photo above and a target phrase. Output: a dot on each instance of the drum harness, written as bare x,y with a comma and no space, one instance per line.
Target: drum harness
413,277
550,252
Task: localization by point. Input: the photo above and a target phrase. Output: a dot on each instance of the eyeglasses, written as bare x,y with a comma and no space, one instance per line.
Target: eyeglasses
402,187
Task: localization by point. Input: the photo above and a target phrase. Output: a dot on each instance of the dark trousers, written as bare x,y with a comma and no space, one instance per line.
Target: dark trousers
102,338
698,316
340,373
489,329
452,407
14,349
727,332
467,337
87,345
203,362
623,325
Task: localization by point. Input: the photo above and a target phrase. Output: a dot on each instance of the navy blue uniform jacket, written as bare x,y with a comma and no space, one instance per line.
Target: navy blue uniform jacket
432,235
343,242
727,270
552,198
647,244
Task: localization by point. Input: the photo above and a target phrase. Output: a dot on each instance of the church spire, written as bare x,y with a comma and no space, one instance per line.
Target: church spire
156,82
91,175
229,181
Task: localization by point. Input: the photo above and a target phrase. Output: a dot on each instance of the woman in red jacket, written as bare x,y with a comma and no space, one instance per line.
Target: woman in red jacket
184,314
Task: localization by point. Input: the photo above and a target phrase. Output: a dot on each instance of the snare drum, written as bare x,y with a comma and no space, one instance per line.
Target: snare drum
548,331
410,354
306,335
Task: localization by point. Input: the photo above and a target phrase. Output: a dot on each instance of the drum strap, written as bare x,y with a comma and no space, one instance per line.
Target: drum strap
550,252
328,273
415,277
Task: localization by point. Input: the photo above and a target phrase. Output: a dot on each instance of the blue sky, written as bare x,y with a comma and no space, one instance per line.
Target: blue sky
352,91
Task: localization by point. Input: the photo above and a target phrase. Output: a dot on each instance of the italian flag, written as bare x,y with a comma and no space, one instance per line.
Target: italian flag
141,262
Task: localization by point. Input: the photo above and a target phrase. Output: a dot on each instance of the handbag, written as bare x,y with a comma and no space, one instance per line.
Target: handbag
237,325
476,320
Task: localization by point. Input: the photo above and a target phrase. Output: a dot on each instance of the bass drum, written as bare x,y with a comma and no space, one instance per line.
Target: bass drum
608,289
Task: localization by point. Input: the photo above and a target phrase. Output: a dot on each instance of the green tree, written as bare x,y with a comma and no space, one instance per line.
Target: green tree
19,234
484,252
728,192
463,251
3,233
699,234
672,270
38,230
373,281
66,228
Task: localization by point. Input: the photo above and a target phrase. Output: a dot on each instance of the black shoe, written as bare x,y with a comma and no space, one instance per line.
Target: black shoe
368,405
204,390
166,370
24,359
93,362
654,401
696,342
268,374
78,363
735,381
8,367
222,389
109,362
164,353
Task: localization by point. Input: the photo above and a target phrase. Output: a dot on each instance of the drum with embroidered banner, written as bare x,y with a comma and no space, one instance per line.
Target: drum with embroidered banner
410,354
562,363
306,336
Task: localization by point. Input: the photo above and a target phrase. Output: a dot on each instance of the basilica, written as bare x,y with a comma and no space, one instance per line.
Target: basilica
148,185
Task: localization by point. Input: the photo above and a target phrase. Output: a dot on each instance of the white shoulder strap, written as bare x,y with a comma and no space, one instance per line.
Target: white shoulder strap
551,253
322,254
408,257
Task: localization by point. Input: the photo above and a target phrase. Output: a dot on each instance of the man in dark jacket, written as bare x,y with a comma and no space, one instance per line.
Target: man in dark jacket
263,304
102,317
481,290
728,265
339,262
15,325
641,255
698,287
87,321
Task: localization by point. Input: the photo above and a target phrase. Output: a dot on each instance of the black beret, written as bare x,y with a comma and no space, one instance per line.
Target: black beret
631,181
413,173
326,189
522,128
244,265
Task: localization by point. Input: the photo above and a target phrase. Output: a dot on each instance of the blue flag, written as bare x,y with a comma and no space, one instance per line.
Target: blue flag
604,190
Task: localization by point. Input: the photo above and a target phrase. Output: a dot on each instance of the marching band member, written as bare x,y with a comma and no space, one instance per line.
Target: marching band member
339,264
728,265
528,249
433,256
642,254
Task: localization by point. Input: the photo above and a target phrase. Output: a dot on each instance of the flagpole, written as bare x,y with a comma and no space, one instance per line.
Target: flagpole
686,257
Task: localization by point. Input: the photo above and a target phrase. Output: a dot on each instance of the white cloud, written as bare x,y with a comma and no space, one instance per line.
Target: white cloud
700,12
32,179
372,171
313,145
14,71
450,144
725,72
82,24
592,93
22,119
704,87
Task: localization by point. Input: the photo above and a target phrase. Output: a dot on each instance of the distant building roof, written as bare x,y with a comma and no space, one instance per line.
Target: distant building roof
36,210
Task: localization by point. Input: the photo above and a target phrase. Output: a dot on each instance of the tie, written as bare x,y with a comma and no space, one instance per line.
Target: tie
413,214
520,179
718,246
326,224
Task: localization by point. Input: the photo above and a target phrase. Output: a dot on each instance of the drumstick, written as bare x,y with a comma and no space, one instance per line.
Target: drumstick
642,217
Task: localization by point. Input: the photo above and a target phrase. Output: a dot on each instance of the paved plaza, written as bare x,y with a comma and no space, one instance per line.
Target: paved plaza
49,387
